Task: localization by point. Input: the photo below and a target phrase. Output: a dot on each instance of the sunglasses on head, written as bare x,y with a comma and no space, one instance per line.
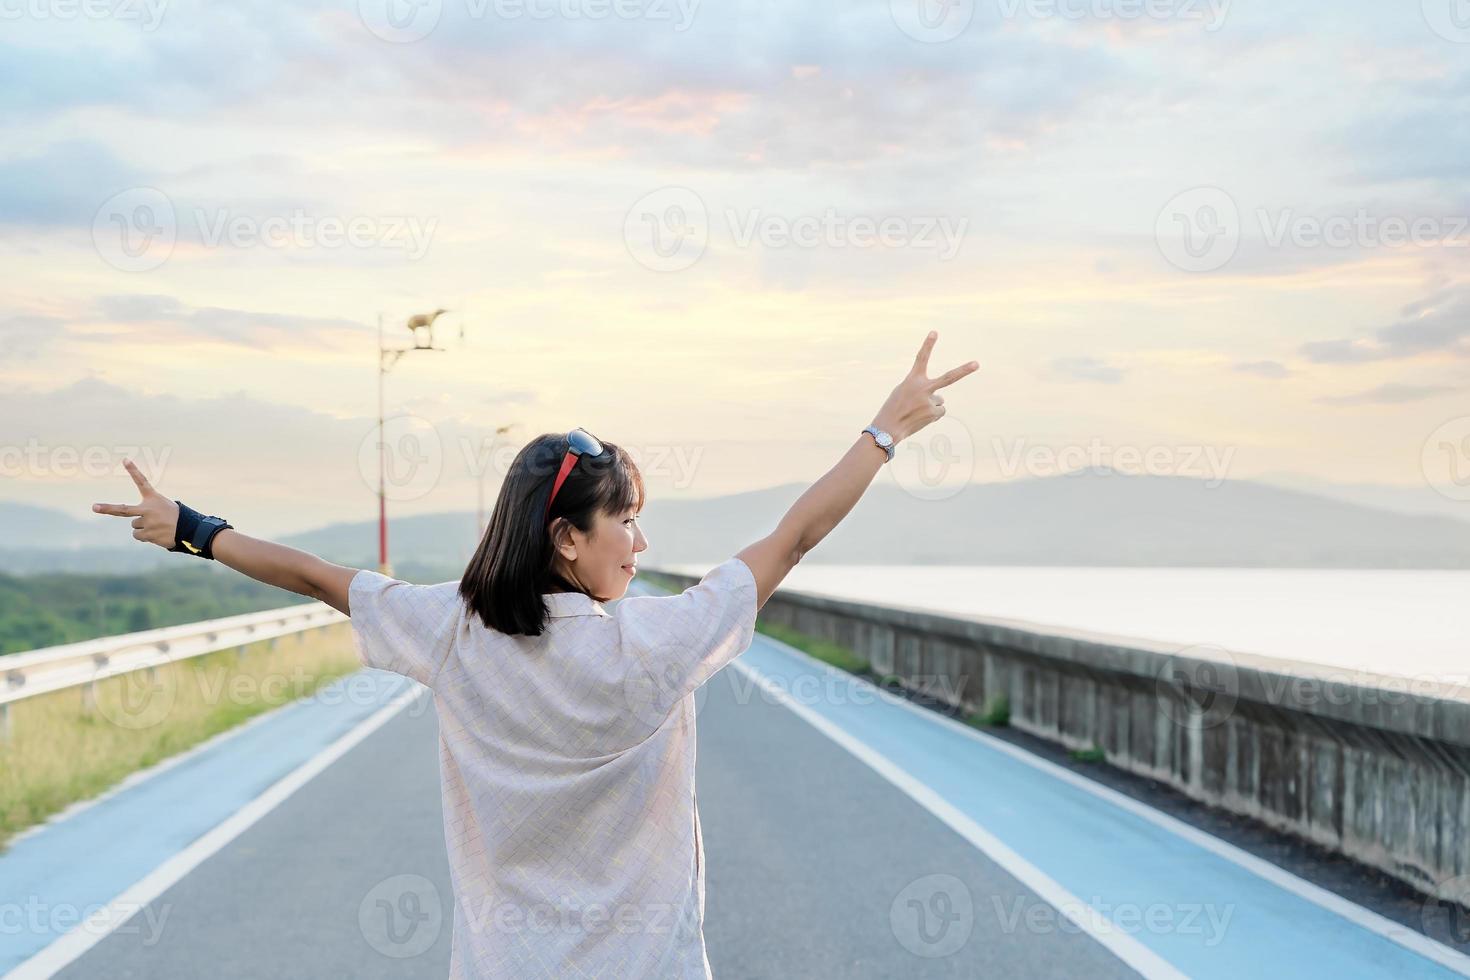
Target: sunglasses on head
580,443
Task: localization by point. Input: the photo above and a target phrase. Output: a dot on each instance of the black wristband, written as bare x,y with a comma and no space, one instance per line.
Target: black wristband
195,532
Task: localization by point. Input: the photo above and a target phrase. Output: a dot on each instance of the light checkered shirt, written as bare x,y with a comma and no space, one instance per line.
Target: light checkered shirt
567,767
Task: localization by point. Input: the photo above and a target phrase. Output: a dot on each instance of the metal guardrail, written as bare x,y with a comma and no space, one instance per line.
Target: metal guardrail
26,675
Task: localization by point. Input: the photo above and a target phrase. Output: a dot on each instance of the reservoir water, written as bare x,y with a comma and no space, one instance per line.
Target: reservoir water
1408,623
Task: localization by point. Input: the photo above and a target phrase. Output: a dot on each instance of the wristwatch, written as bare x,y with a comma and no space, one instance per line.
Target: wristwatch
883,439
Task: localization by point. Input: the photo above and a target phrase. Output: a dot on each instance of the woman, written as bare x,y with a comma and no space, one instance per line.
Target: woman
566,730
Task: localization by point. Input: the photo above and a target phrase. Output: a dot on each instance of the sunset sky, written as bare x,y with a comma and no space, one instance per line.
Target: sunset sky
717,232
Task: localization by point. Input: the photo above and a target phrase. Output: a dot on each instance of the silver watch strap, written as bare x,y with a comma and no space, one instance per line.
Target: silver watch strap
873,431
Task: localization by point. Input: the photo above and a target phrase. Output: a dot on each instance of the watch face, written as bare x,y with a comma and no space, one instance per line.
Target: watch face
885,440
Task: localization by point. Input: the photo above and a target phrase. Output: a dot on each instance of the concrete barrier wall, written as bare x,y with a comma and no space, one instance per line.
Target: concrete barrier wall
1372,767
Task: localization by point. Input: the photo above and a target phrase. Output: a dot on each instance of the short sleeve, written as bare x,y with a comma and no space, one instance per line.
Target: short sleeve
399,626
684,640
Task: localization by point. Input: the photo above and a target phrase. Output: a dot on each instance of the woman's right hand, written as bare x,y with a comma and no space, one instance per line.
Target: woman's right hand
915,402
155,517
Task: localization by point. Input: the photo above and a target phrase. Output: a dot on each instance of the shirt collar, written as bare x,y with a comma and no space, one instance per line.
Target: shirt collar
559,604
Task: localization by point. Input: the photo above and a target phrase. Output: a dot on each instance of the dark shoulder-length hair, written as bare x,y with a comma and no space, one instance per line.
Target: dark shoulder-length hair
504,581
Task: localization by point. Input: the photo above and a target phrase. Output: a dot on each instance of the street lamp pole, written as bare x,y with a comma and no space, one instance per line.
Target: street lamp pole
480,487
387,357
383,566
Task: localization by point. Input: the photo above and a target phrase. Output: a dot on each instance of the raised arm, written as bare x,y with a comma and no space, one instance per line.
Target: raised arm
913,404
156,518
285,567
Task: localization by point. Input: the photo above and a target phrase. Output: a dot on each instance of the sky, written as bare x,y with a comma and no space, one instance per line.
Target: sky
1193,237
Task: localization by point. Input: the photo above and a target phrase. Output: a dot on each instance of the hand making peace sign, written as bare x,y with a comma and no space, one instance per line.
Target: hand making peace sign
155,517
915,403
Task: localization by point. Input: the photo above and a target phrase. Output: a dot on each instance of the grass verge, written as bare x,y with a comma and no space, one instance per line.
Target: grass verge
1094,754
995,714
62,751
835,654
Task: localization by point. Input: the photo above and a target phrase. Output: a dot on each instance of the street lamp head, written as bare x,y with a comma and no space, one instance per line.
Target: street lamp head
424,321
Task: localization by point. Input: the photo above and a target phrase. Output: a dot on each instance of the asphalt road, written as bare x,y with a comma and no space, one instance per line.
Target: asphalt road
809,853
847,835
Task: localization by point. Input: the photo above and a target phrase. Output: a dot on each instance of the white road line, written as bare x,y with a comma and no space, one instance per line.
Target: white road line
98,926
1380,925
1133,953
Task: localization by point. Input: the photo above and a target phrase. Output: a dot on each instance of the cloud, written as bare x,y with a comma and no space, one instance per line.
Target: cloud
513,396
258,462
174,321
36,80
62,185
1087,369
1262,369
25,335
146,318
703,99
1388,394
169,68
723,91
232,450
1437,323
1425,135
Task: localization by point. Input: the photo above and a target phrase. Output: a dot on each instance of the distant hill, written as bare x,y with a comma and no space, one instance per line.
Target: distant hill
39,540
1092,517
1421,499
433,539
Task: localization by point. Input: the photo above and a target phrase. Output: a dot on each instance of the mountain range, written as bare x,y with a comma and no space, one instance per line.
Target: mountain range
1088,518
